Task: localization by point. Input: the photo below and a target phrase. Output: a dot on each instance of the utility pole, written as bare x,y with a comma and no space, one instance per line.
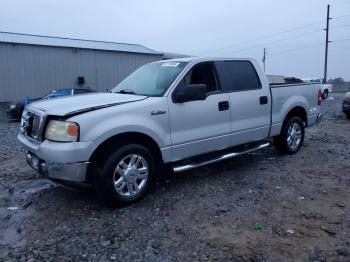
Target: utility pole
264,58
326,51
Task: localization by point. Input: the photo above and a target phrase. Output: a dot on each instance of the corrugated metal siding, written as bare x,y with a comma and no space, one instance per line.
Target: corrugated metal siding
111,69
35,70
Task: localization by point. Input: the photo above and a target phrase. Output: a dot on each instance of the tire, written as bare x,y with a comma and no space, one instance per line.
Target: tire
127,165
347,115
293,128
325,94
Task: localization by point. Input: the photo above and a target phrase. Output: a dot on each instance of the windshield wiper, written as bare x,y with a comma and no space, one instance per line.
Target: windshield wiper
126,91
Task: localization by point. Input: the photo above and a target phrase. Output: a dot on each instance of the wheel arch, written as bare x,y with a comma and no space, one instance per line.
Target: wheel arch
110,144
296,111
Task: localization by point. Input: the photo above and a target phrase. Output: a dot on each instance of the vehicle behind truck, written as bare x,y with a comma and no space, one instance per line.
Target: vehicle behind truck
179,114
326,89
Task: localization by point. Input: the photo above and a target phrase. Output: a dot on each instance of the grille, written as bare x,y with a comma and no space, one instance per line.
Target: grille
32,125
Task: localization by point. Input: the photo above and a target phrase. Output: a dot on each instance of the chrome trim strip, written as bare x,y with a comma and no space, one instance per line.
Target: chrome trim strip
40,132
42,120
187,167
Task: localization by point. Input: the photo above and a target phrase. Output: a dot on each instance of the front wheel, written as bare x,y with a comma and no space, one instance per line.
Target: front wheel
126,175
291,138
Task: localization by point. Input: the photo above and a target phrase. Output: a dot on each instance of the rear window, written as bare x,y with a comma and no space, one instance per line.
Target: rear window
240,76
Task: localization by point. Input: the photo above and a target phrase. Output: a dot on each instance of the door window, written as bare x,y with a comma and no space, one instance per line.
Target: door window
203,73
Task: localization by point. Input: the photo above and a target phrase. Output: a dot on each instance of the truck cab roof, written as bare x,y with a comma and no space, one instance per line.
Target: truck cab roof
205,59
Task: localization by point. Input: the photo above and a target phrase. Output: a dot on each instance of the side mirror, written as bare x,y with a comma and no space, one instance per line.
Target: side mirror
188,93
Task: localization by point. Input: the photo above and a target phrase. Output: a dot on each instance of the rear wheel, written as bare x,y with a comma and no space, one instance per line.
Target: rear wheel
291,138
325,94
126,175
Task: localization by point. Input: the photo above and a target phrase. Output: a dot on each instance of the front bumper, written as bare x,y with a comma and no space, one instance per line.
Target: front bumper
72,172
61,161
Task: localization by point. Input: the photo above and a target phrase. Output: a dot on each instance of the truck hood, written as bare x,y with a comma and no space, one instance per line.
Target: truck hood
73,105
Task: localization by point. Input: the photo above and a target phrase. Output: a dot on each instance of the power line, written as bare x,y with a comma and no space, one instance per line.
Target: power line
333,27
340,26
317,44
290,37
264,37
308,46
296,49
276,41
271,35
341,40
344,2
337,17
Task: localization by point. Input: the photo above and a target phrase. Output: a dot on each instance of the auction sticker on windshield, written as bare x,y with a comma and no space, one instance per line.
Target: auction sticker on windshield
170,64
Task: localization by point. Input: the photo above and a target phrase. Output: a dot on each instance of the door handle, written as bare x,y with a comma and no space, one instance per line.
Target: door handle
223,105
264,100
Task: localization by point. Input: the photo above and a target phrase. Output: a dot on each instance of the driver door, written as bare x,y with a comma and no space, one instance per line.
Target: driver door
199,127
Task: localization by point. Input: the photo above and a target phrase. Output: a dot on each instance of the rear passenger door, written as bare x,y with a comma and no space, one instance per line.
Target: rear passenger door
250,103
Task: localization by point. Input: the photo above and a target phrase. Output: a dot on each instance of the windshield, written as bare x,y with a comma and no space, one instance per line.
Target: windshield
151,79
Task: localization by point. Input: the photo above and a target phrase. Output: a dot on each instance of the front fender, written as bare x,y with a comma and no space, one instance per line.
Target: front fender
151,129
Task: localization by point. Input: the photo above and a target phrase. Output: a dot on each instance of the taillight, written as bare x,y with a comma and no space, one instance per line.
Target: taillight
319,97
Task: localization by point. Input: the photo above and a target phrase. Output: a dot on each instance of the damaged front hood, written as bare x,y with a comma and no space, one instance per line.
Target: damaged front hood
72,105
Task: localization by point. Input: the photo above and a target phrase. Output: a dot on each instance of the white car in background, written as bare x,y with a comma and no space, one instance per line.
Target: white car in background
325,88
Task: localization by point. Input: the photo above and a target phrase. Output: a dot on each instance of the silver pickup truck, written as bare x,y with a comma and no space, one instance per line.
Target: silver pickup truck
181,114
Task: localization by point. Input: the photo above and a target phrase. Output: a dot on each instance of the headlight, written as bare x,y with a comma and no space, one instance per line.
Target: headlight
12,106
62,131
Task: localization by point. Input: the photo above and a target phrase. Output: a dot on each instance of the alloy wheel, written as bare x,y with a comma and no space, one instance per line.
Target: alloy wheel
294,135
131,175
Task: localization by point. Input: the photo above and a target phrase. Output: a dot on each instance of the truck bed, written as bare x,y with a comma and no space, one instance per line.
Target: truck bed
287,96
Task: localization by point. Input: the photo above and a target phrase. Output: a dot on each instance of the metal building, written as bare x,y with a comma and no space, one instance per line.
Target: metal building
32,65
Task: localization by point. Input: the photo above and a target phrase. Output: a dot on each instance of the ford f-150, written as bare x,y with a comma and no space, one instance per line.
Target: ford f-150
181,113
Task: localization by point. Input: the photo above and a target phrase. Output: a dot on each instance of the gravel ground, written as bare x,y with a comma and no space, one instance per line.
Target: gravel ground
259,207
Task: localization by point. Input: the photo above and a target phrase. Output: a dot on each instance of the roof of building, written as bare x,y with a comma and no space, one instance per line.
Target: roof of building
169,55
17,38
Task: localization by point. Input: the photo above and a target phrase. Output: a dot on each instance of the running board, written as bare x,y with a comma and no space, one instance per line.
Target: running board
186,167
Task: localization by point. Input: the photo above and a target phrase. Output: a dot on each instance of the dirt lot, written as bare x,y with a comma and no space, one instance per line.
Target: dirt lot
260,207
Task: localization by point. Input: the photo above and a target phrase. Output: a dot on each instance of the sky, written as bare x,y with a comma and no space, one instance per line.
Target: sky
291,31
